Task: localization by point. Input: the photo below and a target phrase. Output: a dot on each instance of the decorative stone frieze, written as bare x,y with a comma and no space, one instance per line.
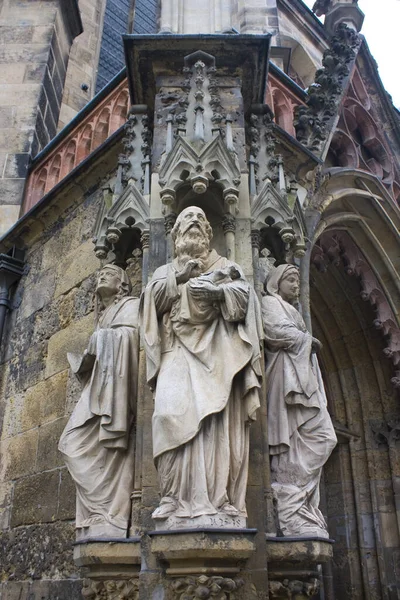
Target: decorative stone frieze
104,120
112,589
193,588
294,589
314,122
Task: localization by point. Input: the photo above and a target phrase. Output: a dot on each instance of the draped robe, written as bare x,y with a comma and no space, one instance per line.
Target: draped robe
300,431
97,443
203,359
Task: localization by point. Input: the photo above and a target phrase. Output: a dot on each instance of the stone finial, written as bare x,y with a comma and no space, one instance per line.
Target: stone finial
339,11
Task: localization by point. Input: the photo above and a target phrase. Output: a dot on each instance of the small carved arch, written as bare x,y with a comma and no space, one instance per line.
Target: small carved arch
101,128
54,172
68,161
283,111
39,186
365,133
343,150
360,91
84,143
119,111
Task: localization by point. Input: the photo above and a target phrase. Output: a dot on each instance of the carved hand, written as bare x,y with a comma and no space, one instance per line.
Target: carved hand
316,345
191,269
205,289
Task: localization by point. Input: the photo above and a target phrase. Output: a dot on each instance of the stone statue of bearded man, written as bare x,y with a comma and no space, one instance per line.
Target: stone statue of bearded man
201,328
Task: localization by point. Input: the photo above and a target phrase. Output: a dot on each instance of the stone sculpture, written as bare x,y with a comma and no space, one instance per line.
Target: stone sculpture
300,430
97,443
201,329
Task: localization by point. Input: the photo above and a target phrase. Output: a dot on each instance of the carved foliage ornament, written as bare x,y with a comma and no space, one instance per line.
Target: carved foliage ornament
217,588
312,120
124,589
293,589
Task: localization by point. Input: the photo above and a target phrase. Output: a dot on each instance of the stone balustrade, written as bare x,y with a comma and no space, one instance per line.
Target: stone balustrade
55,163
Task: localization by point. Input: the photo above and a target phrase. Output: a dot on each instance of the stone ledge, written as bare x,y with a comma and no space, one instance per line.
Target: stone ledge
205,551
104,558
299,552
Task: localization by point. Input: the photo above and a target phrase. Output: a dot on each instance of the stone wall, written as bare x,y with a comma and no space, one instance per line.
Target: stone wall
36,38
82,67
52,314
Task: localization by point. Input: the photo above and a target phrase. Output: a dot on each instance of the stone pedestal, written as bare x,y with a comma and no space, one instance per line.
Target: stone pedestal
208,560
293,566
110,567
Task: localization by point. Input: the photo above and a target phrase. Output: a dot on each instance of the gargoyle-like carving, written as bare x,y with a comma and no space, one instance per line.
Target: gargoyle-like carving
289,590
123,589
219,588
313,120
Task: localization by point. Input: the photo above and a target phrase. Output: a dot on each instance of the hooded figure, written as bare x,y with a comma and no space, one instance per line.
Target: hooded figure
300,430
97,443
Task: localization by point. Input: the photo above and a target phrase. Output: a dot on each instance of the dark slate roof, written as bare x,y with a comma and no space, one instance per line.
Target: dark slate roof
116,23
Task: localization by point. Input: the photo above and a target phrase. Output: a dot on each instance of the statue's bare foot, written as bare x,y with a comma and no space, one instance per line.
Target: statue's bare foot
167,507
230,510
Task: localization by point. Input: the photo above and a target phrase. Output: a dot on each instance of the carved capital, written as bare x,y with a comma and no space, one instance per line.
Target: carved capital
188,588
293,590
145,239
229,223
123,589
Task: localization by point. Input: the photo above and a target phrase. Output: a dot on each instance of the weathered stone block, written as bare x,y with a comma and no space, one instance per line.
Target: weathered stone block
48,456
18,455
75,267
38,552
67,499
35,499
40,294
15,590
71,339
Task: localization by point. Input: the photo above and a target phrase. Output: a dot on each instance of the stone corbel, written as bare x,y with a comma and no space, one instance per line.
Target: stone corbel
111,568
203,563
168,199
293,564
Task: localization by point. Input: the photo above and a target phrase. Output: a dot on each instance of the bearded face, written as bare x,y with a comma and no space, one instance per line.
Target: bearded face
192,236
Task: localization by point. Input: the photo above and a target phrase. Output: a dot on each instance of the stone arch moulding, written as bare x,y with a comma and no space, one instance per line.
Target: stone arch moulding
337,247
213,163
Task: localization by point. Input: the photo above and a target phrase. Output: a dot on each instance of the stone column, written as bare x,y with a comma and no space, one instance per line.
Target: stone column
255,250
169,222
33,70
229,228
145,240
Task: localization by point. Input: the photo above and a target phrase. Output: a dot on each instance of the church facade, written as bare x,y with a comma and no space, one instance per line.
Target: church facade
114,118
